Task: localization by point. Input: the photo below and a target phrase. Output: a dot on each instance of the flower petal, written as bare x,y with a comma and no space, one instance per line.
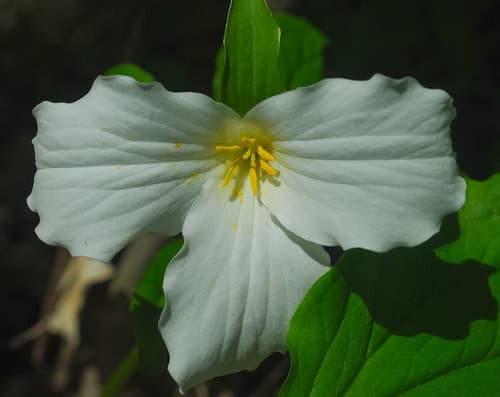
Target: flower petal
126,159
362,163
231,291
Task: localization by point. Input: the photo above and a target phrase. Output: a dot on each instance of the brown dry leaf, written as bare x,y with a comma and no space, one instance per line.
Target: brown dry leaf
62,318
72,287
90,383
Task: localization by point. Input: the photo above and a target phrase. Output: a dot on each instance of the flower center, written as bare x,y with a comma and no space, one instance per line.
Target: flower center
252,155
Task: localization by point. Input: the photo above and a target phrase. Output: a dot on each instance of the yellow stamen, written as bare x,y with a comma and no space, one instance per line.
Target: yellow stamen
265,166
253,161
230,173
228,148
252,156
265,154
248,141
247,154
254,181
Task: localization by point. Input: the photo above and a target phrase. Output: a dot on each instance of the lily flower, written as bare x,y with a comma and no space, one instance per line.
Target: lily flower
352,163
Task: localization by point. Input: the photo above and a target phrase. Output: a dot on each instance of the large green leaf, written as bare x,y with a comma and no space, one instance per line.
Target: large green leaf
251,45
479,224
131,70
145,308
399,323
300,58
301,51
220,62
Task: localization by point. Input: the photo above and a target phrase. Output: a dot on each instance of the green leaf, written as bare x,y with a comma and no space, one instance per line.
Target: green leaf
301,51
121,375
145,308
132,70
251,45
479,222
152,351
398,323
220,61
300,58
150,287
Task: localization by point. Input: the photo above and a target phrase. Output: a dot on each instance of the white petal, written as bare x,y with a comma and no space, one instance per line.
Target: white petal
362,163
231,291
125,159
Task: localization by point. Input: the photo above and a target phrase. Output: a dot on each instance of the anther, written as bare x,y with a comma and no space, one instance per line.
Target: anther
255,157
253,161
267,168
227,177
230,173
247,154
265,154
228,148
248,141
254,181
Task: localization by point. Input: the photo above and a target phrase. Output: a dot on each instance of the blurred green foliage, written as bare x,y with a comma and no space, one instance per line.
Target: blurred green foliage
301,51
131,70
145,307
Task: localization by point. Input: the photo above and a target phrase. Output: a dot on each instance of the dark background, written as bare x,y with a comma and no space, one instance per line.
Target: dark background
52,50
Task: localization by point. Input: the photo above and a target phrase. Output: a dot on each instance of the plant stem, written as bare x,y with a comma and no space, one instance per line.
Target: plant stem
121,374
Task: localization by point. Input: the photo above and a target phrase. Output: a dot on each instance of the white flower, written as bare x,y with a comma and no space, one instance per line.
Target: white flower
352,163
